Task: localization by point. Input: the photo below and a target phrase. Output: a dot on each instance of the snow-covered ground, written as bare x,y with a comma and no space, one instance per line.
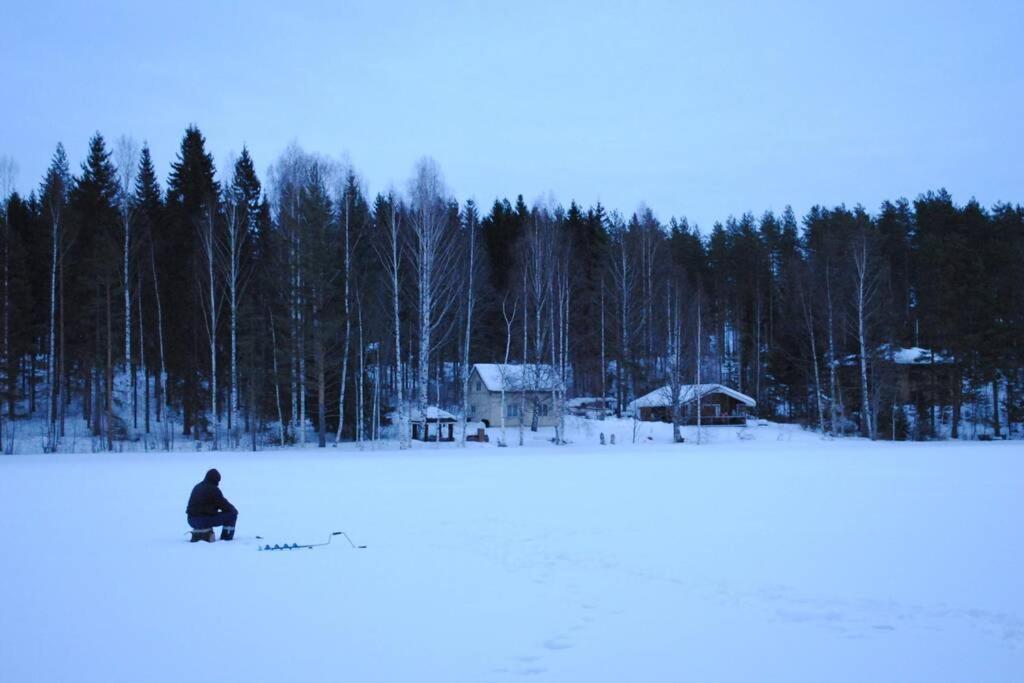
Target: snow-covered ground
780,557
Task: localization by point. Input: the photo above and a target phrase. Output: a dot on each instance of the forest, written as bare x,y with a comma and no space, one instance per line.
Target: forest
221,307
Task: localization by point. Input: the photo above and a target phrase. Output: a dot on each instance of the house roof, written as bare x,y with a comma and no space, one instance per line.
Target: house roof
531,377
662,398
915,355
434,414
898,355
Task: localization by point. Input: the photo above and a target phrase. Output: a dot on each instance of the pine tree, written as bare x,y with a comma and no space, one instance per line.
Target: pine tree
192,193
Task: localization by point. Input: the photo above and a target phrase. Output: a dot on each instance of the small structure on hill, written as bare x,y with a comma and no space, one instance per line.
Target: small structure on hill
590,406
915,376
528,393
719,405
477,431
443,422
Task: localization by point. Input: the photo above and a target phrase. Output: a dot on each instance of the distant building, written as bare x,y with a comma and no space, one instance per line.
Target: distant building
534,381
718,405
593,407
433,425
912,376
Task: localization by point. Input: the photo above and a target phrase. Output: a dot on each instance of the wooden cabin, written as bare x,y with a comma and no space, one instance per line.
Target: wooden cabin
719,405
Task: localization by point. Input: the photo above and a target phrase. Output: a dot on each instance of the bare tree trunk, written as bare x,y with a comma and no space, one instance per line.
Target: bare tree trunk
863,296
471,225
61,370
110,375
208,238
996,428
142,356
391,260
127,163
435,266
51,370
836,398
673,362
161,383
319,362
957,396
522,389
277,379
509,319
604,372
360,388
808,311
237,234
699,347
375,418
348,323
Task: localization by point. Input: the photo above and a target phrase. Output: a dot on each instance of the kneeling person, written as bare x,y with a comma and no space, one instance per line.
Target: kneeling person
207,508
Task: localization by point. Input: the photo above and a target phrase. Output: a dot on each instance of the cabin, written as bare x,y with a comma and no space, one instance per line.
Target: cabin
533,382
910,375
432,425
719,405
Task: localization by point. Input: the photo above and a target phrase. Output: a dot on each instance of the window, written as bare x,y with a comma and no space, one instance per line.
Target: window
472,410
544,408
478,387
512,410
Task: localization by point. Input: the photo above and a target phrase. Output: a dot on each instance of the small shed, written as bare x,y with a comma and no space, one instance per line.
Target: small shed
719,404
443,422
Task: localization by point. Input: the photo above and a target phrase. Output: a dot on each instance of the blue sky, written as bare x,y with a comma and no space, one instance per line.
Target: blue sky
701,109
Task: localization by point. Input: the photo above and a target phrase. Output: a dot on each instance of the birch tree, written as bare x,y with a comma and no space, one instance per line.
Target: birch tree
241,209
509,317
210,299
389,218
864,294
623,282
8,174
470,223
673,360
434,259
126,155
54,197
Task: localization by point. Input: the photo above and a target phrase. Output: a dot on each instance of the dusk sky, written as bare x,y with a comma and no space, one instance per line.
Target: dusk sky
701,109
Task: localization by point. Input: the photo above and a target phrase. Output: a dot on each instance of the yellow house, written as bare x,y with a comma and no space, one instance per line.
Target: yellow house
528,393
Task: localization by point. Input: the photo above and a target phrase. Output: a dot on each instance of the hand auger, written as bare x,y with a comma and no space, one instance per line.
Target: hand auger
297,546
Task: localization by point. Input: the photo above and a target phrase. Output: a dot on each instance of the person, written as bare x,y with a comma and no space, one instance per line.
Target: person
207,508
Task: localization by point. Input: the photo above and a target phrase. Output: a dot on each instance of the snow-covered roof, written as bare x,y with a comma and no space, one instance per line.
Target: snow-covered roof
662,398
531,377
583,401
898,355
915,355
434,414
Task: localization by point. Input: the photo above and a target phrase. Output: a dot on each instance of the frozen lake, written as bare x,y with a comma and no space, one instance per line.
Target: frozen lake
778,558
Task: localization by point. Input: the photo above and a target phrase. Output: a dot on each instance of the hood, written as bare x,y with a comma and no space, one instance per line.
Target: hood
212,477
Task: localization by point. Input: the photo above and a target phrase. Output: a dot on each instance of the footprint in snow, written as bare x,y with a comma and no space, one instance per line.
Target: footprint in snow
558,643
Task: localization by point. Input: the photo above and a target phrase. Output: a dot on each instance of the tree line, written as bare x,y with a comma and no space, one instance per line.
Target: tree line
299,309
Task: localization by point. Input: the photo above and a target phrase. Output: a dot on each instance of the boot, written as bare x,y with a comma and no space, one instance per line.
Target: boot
203,535
227,533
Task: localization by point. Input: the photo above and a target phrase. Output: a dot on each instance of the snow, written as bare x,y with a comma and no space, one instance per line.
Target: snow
538,376
660,398
433,415
782,557
899,355
914,355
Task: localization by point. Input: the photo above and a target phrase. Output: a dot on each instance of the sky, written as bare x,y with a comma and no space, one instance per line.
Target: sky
697,109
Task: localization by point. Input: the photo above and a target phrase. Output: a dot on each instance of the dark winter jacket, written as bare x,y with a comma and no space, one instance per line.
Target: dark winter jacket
206,498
